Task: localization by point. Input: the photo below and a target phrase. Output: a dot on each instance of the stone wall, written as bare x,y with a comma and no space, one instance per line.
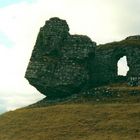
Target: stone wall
59,63
62,64
108,55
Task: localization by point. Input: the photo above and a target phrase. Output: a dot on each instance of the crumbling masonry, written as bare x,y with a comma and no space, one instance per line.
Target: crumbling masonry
62,64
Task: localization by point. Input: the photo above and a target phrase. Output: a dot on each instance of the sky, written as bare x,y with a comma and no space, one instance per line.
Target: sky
102,20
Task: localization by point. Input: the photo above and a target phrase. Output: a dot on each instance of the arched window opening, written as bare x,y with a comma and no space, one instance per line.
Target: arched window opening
122,66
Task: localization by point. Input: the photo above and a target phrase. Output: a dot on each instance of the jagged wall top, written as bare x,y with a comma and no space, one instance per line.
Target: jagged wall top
59,63
62,64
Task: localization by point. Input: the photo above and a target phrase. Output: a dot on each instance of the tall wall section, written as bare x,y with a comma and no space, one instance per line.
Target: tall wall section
59,65
108,55
62,64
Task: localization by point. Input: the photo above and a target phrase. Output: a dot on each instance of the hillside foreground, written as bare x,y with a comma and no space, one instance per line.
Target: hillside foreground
82,118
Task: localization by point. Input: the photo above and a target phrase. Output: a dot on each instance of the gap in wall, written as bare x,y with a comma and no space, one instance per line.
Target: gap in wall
122,66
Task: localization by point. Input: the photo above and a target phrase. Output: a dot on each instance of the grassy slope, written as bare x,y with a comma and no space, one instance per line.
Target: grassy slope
74,121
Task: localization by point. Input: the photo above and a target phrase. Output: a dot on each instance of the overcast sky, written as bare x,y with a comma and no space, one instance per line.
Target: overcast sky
102,20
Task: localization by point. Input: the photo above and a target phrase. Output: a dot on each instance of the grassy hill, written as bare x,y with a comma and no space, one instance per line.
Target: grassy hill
81,118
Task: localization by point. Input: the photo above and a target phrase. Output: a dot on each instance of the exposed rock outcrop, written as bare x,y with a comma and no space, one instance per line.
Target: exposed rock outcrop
59,65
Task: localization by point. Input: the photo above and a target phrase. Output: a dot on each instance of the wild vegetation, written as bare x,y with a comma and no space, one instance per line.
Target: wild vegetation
78,119
123,43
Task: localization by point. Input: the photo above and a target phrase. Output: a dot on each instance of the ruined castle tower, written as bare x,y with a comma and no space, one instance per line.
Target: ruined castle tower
62,64
59,63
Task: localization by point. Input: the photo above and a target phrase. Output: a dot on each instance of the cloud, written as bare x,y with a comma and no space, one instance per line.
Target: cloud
5,41
2,106
17,100
9,2
126,17
15,91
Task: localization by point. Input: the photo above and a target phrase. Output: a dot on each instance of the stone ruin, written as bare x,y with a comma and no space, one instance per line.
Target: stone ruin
62,64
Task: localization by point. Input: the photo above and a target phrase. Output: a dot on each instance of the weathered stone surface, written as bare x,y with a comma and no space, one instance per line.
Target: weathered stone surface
59,63
107,56
62,64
